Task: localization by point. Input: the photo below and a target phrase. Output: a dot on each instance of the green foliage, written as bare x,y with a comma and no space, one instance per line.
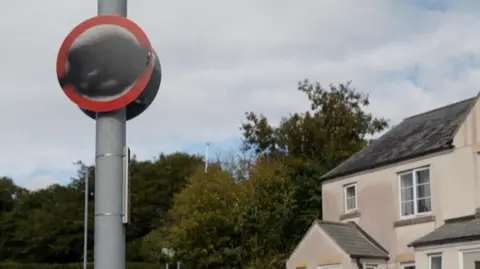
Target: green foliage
247,212
206,215
335,127
46,226
332,129
71,266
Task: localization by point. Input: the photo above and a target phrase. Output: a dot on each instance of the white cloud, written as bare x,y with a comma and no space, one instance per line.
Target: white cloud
222,58
41,182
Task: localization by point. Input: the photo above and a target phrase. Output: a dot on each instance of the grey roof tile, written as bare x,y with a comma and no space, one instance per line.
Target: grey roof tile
415,136
451,231
353,240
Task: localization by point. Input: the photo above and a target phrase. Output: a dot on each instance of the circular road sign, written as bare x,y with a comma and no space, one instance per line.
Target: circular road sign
103,51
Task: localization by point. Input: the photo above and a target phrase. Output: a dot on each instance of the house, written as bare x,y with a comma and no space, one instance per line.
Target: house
411,199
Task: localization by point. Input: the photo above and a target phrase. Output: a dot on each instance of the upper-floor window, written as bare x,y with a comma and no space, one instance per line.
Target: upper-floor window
350,194
415,192
435,261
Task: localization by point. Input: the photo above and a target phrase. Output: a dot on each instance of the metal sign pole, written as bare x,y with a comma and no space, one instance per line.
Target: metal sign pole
85,231
82,71
109,247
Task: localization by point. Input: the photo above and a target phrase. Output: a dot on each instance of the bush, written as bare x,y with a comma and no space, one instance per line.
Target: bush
73,266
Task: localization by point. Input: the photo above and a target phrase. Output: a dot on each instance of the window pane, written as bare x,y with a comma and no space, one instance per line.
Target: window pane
351,191
423,176
409,267
423,190
407,194
351,203
406,180
407,208
424,205
436,262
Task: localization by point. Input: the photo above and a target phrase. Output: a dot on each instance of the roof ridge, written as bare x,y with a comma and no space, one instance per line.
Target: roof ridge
440,108
368,237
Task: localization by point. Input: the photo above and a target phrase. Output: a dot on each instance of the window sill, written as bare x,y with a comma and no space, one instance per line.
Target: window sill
350,215
414,220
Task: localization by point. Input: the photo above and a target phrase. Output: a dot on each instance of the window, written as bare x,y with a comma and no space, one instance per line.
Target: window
409,265
435,261
371,266
415,192
350,197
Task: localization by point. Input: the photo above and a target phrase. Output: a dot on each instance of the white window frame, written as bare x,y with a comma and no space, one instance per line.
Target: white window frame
408,264
465,251
434,256
370,266
345,187
331,266
415,198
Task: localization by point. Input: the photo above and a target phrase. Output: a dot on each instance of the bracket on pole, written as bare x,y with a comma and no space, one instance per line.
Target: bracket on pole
126,186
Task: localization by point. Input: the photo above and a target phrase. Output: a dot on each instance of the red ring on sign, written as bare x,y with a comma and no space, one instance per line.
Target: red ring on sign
137,87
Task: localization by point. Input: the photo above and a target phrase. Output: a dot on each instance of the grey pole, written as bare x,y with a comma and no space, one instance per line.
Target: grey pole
109,252
85,230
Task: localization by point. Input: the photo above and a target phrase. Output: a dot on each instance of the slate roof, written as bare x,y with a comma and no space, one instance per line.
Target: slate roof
458,230
353,240
415,136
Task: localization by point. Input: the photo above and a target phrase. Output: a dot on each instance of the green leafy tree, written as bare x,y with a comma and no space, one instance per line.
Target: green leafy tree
46,226
206,214
10,195
267,201
332,129
153,185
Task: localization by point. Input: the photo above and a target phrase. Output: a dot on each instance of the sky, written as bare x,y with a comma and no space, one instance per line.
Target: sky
221,58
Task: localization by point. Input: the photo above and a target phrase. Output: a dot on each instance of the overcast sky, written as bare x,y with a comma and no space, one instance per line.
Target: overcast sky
223,57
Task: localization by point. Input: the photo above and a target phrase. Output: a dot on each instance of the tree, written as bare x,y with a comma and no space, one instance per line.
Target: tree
153,185
224,223
267,202
10,195
206,215
332,129
335,127
46,226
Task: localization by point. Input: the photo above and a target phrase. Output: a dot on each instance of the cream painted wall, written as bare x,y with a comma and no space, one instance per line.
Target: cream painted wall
455,185
452,255
317,248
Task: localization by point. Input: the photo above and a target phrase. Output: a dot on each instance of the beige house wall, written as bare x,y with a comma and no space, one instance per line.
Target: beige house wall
455,191
468,136
453,195
317,248
454,183
459,256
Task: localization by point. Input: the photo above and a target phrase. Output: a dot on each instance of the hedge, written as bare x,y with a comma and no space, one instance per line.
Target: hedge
73,266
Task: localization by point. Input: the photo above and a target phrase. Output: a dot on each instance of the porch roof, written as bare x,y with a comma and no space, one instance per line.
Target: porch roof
353,240
454,230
